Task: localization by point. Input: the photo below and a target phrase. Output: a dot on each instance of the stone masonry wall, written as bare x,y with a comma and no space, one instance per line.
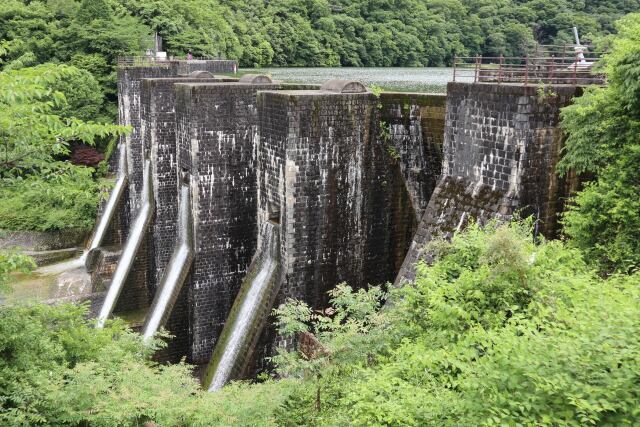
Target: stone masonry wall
328,177
311,165
136,294
324,173
129,89
158,135
225,66
502,144
415,130
216,135
129,86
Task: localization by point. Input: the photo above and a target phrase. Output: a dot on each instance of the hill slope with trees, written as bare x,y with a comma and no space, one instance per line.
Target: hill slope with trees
90,34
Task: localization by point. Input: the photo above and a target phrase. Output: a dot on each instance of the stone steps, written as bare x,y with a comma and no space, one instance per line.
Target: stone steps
53,256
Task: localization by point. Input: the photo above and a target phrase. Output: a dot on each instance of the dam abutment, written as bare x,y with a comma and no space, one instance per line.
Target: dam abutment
502,143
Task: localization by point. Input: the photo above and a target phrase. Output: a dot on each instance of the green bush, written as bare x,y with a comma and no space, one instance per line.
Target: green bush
51,202
57,369
603,127
10,262
499,331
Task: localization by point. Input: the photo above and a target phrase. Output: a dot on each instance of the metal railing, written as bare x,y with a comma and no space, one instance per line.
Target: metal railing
152,61
577,68
142,61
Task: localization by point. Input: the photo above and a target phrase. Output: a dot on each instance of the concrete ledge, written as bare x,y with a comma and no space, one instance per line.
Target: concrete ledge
344,86
43,240
255,79
50,257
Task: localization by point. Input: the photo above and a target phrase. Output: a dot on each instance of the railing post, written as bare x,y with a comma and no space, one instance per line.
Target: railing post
575,68
455,60
500,69
477,69
526,70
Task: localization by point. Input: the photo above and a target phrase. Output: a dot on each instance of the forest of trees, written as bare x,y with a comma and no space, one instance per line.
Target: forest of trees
91,34
298,32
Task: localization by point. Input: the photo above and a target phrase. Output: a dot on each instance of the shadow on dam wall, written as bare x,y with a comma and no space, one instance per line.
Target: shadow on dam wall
352,186
502,144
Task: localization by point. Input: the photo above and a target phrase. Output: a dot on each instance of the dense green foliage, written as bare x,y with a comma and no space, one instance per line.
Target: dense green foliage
11,262
498,331
604,140
90,34
57,369
41,112
50,202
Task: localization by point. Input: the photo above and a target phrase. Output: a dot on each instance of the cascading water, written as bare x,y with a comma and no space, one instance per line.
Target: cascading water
103,222
249,312
176,271
112,203
136,235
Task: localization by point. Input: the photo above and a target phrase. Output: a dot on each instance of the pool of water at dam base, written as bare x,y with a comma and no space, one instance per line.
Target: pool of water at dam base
404,79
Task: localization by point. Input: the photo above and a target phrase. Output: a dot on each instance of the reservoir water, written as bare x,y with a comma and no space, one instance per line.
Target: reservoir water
431,79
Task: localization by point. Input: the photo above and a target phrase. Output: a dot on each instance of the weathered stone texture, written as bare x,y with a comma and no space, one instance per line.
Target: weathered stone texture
129,89
158,124
216,135
414,127
326,177
214,66
311,165
158,135
137,293
502,144
330,180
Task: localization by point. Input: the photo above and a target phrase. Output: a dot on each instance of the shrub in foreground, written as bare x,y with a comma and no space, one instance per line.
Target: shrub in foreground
499,331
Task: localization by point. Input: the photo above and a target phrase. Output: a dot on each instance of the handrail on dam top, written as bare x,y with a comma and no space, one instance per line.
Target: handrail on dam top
152,61
545,67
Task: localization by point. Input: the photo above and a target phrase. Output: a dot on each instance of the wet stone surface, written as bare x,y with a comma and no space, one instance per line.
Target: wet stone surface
501,147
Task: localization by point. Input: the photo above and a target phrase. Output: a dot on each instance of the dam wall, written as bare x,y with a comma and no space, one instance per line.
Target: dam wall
413,127
344,184
138,290
158,135
501,147
216,129
129,103
333,179
326,177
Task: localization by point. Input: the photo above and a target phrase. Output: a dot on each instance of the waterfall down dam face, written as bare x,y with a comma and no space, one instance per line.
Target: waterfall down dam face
288,190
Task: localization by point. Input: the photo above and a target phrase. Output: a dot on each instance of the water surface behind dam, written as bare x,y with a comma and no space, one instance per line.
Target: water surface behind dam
403,79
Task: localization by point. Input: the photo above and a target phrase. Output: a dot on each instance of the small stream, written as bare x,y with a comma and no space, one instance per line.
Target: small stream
66,279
